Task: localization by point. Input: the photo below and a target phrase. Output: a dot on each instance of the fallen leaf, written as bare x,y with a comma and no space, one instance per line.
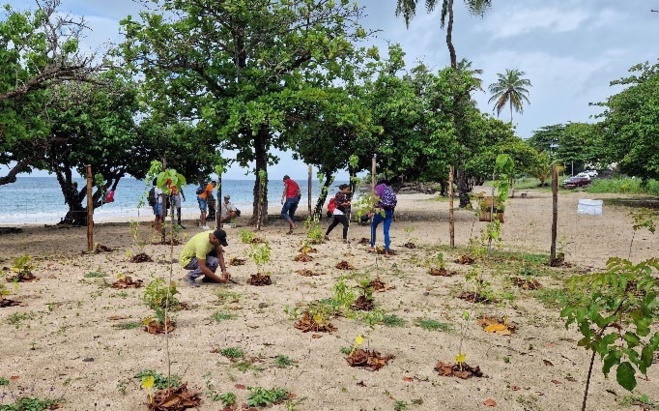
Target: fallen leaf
556,382
408,379
361,384
14,377
548,363
316,336
240,387
515,388
571,379
490,402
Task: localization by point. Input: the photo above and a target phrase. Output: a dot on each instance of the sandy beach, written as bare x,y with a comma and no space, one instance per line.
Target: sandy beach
66,339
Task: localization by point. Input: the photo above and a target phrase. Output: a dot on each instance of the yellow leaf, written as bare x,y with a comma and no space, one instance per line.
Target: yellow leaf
148,381
359,341
461,358
501,329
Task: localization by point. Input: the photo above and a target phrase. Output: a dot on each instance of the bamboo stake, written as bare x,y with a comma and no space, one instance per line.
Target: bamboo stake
451,217
309,189
554,220
90,208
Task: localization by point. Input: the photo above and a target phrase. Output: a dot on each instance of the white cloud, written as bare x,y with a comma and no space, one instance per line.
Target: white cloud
505,25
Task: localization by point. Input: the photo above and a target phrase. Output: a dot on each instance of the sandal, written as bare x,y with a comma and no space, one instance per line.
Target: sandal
289,232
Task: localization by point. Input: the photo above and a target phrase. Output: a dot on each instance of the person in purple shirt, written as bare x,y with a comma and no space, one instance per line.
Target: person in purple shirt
384,212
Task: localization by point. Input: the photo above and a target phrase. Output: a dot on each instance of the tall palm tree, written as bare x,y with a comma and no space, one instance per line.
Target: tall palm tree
476,7
510,88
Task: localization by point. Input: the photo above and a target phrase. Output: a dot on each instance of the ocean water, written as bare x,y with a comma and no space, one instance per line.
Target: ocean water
39,200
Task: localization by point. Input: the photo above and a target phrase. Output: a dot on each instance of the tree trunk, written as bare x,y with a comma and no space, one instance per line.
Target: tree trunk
449,36
324,190
463,185
21,166
260,204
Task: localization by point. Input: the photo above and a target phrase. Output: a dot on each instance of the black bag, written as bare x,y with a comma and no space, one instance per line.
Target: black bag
151,198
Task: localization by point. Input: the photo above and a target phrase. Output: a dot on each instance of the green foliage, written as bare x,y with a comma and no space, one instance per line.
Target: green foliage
282,361
400,405
95,274
261,397
232,353
228,399
644,218
433,325
624,186
22,264
246,236
559,297
346,350
157,293
31,404
16,319
615,320
128,326
160,380
315,233
219,316
260,253
344,296
4,381
510,89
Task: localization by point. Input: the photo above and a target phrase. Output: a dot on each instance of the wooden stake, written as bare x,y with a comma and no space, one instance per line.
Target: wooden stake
90,208
373,172
451,218
309,189
554,220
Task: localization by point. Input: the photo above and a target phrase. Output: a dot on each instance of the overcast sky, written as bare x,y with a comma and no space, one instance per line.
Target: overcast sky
569,49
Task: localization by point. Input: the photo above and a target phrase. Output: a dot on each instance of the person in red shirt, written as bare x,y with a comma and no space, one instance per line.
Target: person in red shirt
290,199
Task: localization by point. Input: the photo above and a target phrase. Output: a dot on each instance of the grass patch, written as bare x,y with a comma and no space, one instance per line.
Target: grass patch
222,316
345,350
233,353
95,274
260,397
16,319
624,186
282,361
225,297
558,297
4,381
128,326
433,325
160,380
392,320
31,404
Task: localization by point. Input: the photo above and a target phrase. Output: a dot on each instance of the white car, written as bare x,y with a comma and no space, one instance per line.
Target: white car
584,175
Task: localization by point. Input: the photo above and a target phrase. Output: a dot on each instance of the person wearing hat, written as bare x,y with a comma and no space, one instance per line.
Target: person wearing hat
227,210
341,211
202,254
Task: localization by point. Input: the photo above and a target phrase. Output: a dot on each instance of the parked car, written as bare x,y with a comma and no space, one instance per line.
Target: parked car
583,174
591,173
575,181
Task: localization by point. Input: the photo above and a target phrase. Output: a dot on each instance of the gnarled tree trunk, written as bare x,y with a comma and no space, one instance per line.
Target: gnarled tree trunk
260,204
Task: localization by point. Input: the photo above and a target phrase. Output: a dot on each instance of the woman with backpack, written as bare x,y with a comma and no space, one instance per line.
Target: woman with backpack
341,211
384,212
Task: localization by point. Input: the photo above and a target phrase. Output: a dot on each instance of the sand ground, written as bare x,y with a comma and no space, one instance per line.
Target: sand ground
64,339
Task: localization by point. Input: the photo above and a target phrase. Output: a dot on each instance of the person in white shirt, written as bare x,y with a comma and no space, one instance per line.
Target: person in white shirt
158,207
227,210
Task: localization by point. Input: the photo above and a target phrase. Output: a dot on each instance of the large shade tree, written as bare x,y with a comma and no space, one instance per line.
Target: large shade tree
242,66
510,89
38,49
631,123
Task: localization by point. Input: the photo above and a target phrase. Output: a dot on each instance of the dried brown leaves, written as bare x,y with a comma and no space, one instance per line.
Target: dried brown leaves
303,257
308,323
175,399
236,261
501,326
362,303
100,248
379,286
259,279
22,277
6,302
371,360
526,283
465,259
441,272
409,245
156,327
141,258
463,371
127,282
308,273
473,297
344,265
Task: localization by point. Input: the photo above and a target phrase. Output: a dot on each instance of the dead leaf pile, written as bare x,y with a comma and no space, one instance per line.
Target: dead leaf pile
362,303
441,272
243,407
308,273
344,265
463,371
257,240
473,298
259,279
236,261
127,282
175,399
526,283
379,286
303,257
465,259
156,327
22,277
307,323
141,258
364,241
371,360
305,249
6,302
100,248
499,326
411,246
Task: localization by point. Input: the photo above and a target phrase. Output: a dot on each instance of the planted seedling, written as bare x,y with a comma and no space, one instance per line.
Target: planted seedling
371,360
22,268
261,397
261,255
126,281
364,301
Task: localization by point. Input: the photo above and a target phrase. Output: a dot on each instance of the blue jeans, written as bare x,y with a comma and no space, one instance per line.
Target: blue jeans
288,210
377,219
157,209
203,204
195,272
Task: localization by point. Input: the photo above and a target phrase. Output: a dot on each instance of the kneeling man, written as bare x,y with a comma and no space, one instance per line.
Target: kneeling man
202,254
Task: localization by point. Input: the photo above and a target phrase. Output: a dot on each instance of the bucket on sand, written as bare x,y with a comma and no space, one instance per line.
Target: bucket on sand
589,207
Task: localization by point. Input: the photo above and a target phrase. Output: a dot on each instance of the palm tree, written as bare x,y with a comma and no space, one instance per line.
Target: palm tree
476,7
510,88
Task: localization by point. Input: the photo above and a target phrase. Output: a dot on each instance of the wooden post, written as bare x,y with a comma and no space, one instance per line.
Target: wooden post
373,172
451,218
554,220
90,208
309,189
